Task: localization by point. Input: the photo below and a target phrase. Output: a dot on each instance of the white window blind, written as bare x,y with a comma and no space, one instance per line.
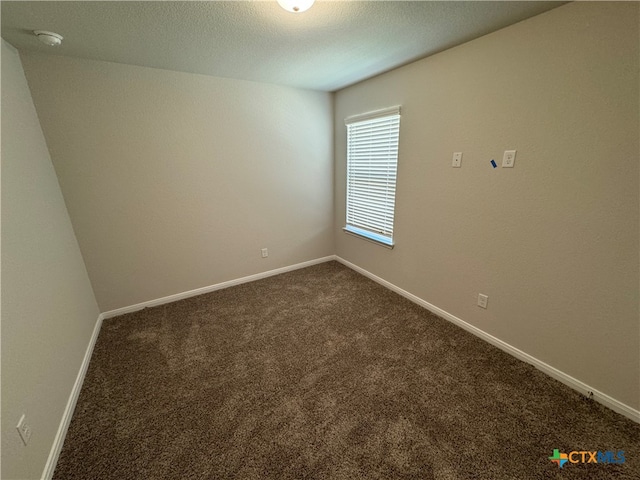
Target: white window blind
372,164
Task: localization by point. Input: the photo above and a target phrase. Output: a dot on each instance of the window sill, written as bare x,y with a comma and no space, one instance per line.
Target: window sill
369,236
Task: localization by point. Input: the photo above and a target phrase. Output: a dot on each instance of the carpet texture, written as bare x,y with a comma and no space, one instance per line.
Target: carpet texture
321,373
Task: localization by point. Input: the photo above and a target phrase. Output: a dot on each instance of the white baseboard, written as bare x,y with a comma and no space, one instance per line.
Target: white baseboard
212,288
568,380
58,441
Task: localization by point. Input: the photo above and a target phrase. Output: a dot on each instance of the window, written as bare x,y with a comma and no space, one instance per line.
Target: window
372,164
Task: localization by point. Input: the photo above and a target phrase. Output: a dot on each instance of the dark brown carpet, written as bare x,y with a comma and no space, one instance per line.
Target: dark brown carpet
321,373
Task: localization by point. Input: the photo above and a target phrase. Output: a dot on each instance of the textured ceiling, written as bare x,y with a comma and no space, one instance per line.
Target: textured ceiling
332,45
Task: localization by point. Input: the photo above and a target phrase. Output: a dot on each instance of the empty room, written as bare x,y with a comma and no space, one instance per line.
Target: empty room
287,239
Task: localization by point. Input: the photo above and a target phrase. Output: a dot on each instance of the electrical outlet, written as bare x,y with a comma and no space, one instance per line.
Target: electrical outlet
24,429
508,159
265,253
482,300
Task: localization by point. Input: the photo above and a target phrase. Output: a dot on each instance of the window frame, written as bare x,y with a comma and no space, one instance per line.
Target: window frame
373,211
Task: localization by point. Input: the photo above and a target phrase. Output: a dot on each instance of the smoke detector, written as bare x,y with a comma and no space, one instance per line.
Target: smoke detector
48,38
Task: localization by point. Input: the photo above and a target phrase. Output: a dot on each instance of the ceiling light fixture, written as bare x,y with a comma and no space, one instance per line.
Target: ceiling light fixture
48,38
296,6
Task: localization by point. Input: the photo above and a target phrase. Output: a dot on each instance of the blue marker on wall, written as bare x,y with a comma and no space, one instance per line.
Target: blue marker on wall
493,162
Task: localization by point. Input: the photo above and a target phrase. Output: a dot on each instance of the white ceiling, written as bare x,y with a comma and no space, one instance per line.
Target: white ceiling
331,46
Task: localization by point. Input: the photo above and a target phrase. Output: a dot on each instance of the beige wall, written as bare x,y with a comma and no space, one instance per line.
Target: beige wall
175,181
48,307
553,241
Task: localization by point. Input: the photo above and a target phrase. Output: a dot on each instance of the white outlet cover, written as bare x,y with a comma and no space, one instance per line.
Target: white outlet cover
508,159
456,161
24,430
482,300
